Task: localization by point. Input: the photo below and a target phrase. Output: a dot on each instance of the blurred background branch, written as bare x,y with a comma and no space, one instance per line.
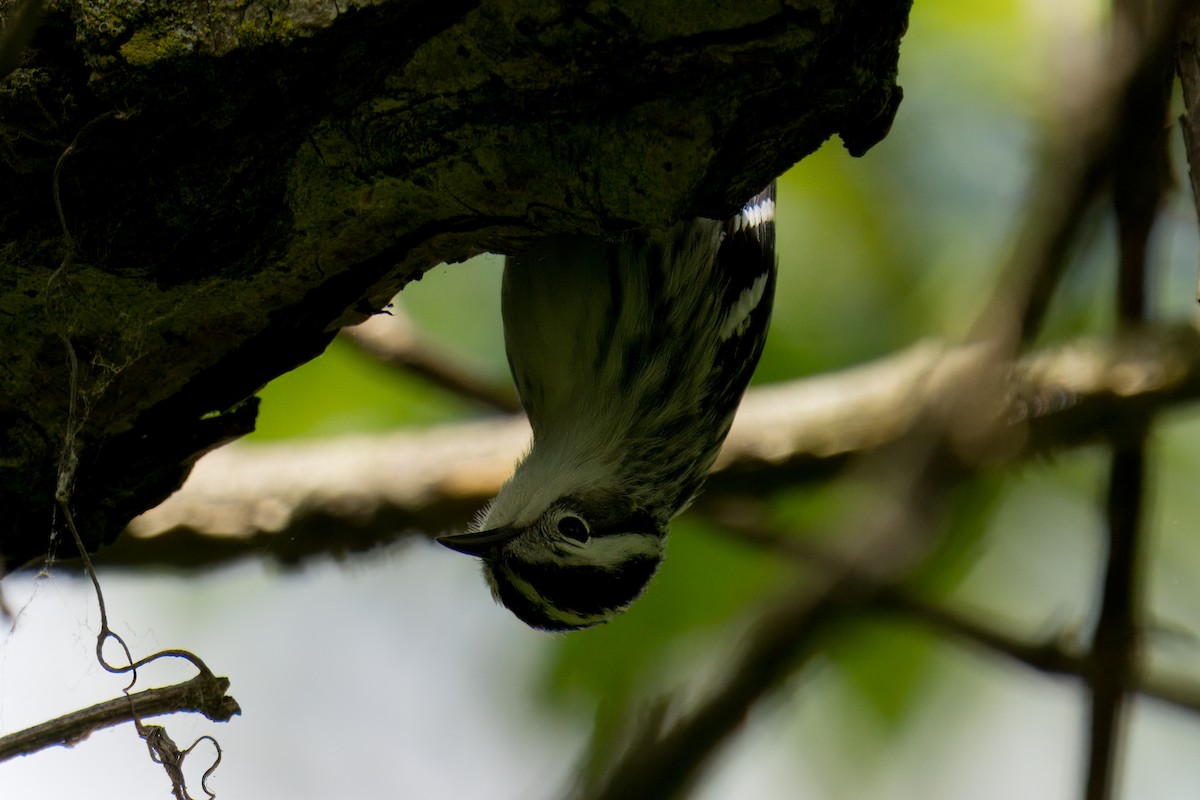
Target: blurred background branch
1054,654
1116,139
1148,36
297,500
392,339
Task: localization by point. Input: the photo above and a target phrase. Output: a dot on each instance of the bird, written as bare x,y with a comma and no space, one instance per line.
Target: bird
630,358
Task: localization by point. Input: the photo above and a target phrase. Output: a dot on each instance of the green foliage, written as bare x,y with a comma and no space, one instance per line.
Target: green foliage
344,391
458,305
885,665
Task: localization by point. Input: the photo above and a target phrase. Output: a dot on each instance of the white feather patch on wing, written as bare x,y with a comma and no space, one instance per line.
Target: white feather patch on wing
737,318
755,215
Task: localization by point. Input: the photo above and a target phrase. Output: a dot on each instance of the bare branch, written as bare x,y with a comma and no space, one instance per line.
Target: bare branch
205,690
295,500
1075,169
204,694
1188,66
393,340
1052,655
1140,175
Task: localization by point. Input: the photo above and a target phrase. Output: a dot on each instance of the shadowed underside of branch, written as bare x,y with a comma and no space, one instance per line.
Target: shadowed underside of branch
198,194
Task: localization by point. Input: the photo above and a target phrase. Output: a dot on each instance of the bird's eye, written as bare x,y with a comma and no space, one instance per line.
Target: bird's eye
573,527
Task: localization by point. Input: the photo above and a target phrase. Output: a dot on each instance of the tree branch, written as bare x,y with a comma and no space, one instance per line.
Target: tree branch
393,340
1051,656
1187,65
204,694
1140,175
296,500
244,179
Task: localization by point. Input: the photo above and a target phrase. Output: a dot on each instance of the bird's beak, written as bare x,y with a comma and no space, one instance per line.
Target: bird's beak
480,543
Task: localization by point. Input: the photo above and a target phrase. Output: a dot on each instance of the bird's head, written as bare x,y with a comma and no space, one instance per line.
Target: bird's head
576,564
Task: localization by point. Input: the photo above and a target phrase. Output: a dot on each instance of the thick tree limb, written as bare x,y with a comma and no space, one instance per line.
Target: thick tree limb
231,182
296,500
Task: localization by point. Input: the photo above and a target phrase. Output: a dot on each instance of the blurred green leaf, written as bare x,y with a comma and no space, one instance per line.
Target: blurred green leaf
972,508
344,391
887,666
458,306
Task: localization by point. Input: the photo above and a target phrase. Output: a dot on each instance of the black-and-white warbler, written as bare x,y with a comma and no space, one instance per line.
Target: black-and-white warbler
630,358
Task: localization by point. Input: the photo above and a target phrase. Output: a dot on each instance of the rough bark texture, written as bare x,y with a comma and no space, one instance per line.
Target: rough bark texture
237,180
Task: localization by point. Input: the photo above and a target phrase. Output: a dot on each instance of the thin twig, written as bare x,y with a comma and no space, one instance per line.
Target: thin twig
204,694
1139,177
1188,67
1051,655
1114,647
392,339
1073,172
106,633
162,748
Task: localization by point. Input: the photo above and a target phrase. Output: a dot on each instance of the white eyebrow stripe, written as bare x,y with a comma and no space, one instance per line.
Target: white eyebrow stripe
612,551
608,551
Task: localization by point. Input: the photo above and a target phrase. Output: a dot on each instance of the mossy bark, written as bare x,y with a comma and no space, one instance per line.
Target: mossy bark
199,194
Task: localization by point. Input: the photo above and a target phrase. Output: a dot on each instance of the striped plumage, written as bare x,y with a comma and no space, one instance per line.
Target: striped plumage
630,359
